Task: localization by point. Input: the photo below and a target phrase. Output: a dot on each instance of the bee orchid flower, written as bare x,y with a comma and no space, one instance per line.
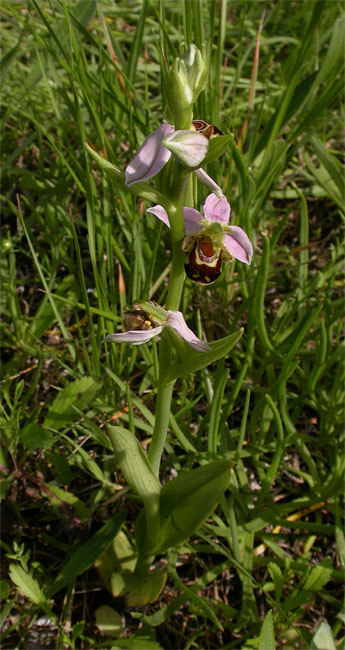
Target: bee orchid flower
189,147
209,239
145,320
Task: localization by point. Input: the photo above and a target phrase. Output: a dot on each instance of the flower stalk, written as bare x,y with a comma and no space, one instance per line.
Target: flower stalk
176,281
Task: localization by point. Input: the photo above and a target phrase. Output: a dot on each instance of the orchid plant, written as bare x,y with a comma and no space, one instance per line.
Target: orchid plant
200,244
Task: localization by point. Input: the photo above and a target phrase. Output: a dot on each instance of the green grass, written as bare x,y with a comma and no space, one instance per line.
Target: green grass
76,249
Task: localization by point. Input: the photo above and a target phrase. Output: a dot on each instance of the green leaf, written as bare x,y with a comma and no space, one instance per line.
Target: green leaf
59,497
35,437
266,640
4,590
188,500
80,393
202,604
134,464
86,554
332,63
216,147
330,163
194,360
27,585
108,621
138,590
118,557
323,638
277,577
137,642
319,576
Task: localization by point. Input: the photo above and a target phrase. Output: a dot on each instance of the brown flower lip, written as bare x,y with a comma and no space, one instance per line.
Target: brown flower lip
206,129
137,319
203,266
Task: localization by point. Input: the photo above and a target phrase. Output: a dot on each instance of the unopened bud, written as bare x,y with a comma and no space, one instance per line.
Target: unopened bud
185,82
195,62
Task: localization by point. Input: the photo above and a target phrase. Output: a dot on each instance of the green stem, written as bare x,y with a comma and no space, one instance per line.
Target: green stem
176,281
164,396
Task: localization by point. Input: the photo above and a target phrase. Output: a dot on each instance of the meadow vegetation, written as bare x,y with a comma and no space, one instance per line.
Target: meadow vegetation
266,568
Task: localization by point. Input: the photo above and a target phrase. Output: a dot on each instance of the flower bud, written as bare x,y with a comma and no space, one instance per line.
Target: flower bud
180,94
188,147
185,82
195,62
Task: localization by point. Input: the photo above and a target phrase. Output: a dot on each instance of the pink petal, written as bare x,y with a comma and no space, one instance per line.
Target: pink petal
151,157
217,209
135,337
208,181
159,212
238,245
192,219
178,323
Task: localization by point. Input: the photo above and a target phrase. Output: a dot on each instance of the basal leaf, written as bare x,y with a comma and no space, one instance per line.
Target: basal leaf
86,554
189,499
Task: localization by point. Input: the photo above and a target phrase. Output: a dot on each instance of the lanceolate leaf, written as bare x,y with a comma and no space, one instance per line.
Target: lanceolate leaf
188,500
88,553
266,641
194,360
134,464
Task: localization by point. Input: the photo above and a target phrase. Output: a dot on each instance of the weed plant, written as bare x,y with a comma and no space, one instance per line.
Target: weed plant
266,569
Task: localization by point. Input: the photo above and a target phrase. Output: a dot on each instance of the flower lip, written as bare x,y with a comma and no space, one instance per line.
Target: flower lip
203,266
207,129
137,319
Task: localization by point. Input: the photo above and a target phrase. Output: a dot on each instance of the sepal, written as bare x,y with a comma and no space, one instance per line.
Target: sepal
188,147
